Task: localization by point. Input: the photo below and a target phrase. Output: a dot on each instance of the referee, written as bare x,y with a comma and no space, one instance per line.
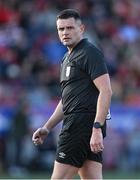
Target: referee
86,97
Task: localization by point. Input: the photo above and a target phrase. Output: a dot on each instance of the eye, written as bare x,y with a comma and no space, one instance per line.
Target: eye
60,29
70,27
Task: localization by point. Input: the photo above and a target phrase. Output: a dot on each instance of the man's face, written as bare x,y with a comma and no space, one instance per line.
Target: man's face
70,31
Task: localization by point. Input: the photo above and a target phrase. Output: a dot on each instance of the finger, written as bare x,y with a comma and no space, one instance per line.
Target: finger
96,148
38,141
99,147
35,135
93,148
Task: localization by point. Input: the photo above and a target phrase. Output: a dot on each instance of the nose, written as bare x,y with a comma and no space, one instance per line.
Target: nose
65,32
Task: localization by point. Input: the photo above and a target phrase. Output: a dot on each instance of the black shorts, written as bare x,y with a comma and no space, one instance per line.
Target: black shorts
74,140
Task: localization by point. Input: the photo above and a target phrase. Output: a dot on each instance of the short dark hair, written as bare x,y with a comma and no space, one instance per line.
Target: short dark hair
69,13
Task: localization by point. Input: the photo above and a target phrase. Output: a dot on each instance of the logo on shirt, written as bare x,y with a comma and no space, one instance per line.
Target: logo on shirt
68,71
108,117
62,155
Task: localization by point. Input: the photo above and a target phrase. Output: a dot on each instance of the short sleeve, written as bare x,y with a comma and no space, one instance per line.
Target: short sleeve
94,63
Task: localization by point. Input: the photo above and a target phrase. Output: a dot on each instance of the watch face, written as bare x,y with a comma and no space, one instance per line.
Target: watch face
97,125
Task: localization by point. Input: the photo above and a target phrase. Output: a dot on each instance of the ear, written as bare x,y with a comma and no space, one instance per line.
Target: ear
82,28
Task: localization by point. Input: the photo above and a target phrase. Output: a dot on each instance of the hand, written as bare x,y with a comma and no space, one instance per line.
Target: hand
96,141
39,135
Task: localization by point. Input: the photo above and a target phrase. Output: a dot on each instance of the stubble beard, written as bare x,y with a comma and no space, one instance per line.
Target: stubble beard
69,45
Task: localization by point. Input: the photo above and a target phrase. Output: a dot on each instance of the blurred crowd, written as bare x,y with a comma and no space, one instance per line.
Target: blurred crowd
30,57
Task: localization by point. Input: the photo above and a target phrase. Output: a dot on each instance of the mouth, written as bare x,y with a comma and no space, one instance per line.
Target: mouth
66,39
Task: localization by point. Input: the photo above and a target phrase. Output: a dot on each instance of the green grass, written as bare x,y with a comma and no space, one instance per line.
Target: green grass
107,175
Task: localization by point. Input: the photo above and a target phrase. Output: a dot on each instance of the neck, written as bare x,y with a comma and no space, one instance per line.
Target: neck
70,48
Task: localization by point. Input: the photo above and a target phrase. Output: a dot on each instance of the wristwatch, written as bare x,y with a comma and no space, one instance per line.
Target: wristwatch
97,125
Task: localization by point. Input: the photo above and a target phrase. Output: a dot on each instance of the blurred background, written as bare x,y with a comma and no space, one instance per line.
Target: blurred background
30,57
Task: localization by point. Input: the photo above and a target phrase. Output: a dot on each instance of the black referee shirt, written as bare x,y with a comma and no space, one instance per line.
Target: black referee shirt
78,70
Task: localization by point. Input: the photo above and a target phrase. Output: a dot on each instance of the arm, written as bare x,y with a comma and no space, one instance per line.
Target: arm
41,133
103,85
56,117
104,99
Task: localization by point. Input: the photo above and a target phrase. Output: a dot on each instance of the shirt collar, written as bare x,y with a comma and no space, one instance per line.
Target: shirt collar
80,43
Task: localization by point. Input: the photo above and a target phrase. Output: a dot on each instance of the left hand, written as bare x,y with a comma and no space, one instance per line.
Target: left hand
96,141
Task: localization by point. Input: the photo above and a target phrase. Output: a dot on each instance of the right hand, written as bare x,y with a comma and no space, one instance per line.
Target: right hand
39,135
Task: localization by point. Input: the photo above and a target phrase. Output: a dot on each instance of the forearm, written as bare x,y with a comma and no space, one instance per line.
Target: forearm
56,117
103,105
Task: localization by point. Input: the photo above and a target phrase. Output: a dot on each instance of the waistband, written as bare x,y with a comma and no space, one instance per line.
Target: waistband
75,113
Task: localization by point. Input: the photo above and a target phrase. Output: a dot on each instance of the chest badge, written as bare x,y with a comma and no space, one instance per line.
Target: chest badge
68,71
